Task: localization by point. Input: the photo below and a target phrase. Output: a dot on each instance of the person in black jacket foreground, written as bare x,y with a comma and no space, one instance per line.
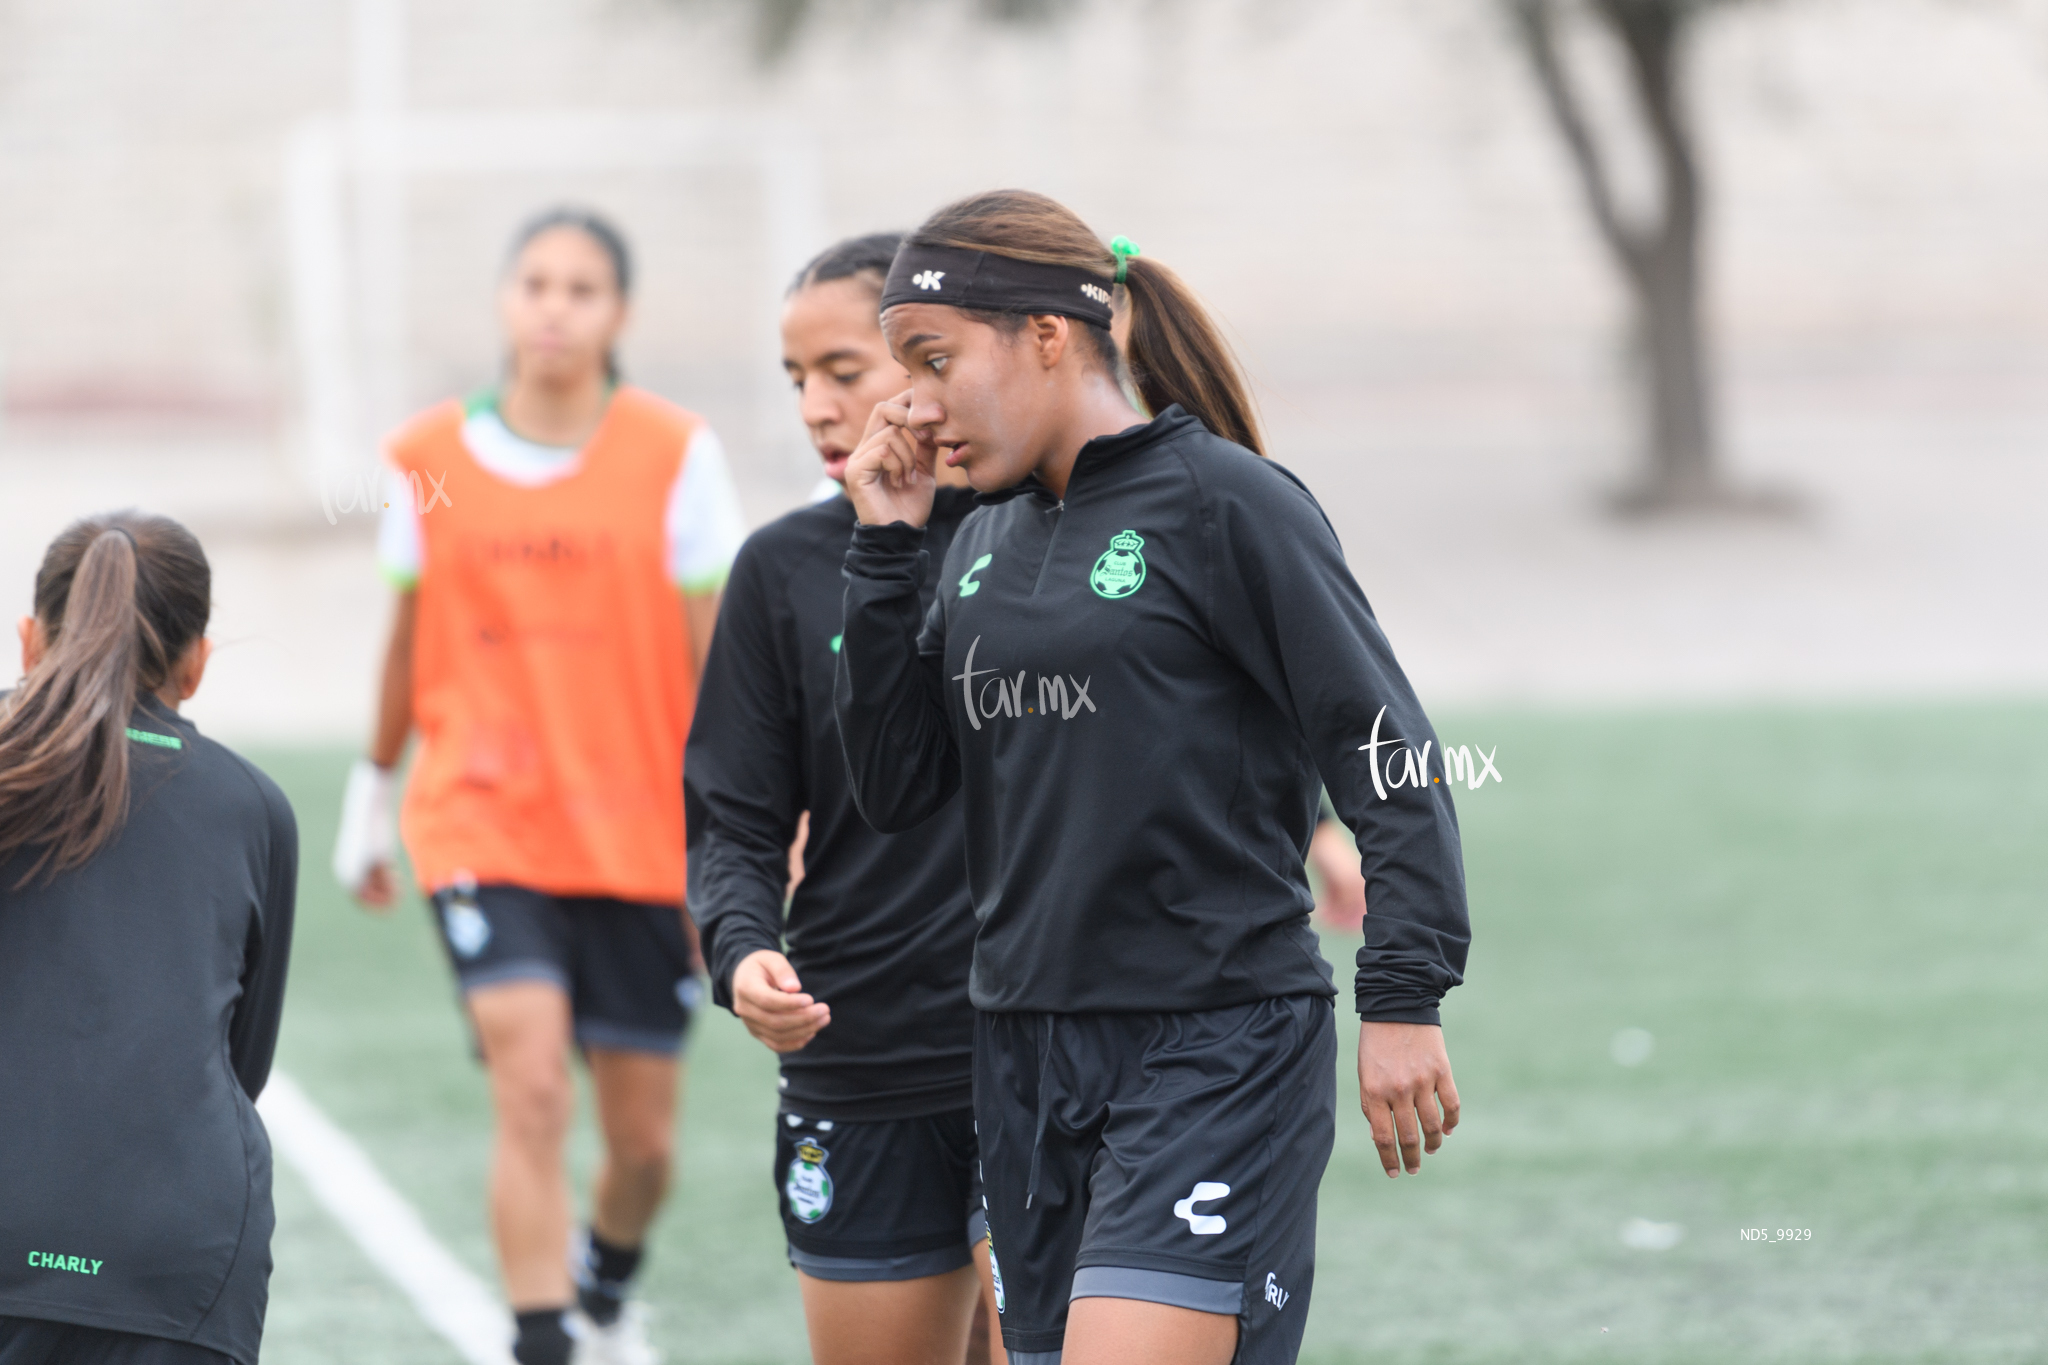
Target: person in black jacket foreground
874,1147
1145,652
147,880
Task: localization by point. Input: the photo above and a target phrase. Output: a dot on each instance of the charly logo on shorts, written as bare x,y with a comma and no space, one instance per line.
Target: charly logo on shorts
468,930
1121,570
1205,1192
808,1186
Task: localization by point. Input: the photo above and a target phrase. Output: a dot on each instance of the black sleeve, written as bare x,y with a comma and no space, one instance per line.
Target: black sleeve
743,781
1287,609
252,1030
901,759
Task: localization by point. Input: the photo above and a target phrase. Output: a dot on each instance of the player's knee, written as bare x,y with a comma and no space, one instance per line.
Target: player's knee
536,1103
643,1154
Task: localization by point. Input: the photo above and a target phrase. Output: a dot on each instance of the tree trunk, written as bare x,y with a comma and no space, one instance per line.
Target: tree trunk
1681,468
1660,260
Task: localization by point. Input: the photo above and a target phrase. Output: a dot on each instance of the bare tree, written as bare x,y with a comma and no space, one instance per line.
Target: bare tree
1659,259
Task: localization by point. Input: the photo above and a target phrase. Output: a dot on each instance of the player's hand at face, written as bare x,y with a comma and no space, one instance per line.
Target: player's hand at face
891,474
770,1001
1406,1091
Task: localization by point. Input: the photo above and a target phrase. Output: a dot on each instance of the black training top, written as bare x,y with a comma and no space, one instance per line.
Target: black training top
1141,689
881,928
139,1001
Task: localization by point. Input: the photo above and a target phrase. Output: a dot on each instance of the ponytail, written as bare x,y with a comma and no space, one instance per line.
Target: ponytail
120,598
1177,355
1176,352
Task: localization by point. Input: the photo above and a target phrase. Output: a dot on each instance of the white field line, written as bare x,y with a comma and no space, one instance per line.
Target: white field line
455,1303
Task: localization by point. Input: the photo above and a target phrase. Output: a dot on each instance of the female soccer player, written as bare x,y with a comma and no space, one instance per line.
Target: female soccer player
1163,651
874,1150
147,878
558,549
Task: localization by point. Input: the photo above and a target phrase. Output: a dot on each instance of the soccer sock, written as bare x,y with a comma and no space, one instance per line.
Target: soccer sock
543,1339
603,1277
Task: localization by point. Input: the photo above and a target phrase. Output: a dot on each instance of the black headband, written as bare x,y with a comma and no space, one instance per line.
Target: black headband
999,284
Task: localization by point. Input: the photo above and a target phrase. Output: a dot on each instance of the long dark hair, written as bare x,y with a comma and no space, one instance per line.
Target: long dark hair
120,598
1176,353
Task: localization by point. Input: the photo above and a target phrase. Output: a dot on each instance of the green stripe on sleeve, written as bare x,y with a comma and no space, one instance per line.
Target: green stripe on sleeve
160,741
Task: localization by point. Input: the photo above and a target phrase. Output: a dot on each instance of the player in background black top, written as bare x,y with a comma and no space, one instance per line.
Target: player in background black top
1164,655
868,1009
147,880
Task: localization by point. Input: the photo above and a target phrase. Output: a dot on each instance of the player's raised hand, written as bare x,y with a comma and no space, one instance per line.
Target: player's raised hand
770,1001
891,474
1406,1091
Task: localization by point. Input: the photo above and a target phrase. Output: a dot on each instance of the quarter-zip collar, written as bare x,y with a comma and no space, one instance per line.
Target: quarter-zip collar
1030,487
1100,453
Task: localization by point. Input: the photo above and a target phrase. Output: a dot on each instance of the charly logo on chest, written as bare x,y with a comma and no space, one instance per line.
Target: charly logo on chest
1120,571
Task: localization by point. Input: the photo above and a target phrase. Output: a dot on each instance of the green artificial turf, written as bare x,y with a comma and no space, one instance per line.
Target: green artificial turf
1830,920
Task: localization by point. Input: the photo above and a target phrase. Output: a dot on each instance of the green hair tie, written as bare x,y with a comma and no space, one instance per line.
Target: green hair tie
1123,248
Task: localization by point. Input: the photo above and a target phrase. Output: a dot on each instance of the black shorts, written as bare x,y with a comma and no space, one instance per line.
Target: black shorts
34,1341
1172,1158
625,965
896,1200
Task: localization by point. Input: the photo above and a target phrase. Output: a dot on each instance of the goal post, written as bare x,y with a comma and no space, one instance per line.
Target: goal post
345,182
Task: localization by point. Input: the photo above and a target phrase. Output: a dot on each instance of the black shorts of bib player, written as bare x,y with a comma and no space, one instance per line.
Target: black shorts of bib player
857,975
147,885
1164,660
625,965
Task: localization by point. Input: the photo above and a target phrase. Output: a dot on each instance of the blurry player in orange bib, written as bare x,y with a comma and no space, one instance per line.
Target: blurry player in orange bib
558,547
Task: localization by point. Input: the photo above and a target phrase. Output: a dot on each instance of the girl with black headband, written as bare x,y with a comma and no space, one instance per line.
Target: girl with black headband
558,547
147,885
860,984
1146,657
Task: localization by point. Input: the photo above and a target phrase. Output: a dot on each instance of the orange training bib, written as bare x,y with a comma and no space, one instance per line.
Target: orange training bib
552,679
